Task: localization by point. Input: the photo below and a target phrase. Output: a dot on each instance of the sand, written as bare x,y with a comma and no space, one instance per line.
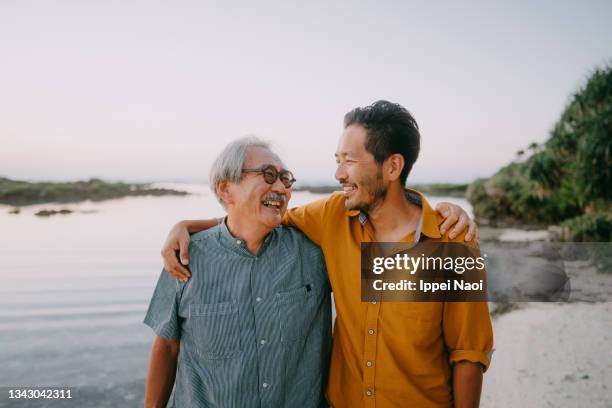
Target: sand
551,355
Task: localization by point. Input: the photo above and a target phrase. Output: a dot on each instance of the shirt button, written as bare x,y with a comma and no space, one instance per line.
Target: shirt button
369,392
369,363
262,342
371,331
373,301
238,241
258,299
265,385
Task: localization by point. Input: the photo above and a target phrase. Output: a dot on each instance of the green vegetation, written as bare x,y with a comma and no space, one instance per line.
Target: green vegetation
568,179
590,227
15,192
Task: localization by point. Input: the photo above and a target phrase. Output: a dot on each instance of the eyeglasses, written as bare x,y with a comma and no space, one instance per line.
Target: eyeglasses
270,175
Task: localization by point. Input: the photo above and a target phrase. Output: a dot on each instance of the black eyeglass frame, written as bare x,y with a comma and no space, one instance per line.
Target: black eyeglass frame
271,174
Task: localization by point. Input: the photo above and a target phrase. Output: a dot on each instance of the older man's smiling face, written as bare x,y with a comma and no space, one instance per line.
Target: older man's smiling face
253,197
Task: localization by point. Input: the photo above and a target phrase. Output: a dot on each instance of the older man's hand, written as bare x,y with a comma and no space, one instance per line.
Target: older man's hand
456,217
178,240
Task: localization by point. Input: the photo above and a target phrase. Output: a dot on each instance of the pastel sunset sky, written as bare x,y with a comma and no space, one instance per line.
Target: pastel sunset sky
152,90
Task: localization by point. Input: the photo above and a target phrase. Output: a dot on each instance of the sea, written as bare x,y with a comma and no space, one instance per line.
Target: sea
74,289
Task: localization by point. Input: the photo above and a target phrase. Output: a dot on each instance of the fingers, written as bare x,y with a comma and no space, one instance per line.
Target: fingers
450,216
174,267
184,250
457,218
178,271
177,247
461,224
472,234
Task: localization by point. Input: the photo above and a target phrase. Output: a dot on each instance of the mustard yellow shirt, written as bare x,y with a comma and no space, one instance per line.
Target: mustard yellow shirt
389,354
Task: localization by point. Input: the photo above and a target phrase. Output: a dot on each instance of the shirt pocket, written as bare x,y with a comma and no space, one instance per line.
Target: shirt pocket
216,329
415,324
296,310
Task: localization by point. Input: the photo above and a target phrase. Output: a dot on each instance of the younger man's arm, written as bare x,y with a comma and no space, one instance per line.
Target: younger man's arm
305,218
178,241
162,371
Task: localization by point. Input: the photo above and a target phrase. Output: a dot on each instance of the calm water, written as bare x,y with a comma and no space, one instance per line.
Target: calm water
74,289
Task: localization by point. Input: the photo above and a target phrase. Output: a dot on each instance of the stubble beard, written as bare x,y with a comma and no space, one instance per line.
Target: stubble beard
377,193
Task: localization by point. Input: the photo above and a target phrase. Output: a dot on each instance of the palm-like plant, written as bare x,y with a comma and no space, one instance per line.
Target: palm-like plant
569,174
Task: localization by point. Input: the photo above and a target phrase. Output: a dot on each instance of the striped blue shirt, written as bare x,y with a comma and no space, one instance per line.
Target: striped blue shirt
255,331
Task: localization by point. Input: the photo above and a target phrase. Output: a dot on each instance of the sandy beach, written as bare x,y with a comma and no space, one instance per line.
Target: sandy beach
551,355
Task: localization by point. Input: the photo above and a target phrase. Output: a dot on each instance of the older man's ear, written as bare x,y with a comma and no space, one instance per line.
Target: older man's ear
223,191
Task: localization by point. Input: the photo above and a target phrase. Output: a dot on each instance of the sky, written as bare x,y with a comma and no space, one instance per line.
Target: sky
153,90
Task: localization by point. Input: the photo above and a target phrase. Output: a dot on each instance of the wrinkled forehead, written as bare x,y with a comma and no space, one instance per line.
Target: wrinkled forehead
258,156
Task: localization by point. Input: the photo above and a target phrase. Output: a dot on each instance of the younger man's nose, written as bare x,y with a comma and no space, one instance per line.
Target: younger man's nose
340,173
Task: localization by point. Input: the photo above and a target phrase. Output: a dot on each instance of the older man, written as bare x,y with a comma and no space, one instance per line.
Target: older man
385,354
253,324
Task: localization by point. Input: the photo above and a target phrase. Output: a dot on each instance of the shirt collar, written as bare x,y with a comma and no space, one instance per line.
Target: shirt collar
237,244
431,219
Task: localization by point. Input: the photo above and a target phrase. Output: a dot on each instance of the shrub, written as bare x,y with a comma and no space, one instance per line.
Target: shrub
594,227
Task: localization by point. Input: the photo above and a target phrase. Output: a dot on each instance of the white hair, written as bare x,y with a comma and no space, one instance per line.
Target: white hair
230,162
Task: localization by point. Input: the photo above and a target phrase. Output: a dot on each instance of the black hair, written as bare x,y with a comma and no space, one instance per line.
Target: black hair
390,129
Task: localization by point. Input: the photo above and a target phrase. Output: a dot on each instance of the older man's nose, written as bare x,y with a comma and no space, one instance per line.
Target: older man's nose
279,186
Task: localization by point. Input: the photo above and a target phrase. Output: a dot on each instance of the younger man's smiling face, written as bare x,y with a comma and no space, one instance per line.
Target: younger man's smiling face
358,172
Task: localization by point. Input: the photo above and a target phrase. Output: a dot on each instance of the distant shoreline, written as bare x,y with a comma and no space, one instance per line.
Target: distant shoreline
21,193
433,189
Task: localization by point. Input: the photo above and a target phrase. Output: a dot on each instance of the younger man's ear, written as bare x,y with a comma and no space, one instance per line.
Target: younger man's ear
394,165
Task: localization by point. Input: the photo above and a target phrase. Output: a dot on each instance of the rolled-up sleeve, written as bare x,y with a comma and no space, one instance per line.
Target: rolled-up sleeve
468,333
162,315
